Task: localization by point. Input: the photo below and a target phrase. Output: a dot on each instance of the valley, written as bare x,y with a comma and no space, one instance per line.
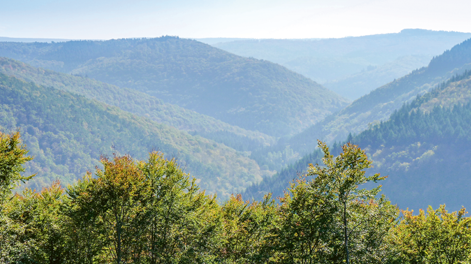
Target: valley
252,94
68,133
345,65
232,122
235,132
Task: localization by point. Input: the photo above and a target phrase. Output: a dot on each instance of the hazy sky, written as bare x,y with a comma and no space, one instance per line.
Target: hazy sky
106,19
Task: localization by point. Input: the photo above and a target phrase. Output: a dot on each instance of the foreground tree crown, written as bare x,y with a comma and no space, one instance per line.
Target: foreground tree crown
150,211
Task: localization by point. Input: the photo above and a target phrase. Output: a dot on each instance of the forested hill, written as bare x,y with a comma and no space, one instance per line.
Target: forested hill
67,133
351,66
250,93
424,148
382,102
140,104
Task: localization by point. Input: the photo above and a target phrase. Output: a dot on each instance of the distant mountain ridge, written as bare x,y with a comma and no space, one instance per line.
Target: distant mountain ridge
249,93
341,64
7,39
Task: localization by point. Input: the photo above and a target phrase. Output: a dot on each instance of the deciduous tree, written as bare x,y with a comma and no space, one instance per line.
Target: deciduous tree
435,236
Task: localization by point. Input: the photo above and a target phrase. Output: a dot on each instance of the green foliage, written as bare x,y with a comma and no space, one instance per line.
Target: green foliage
337,183
182,223
345,173
140,104
247,230
424,141
14,247
252,94
374,107
68,133
433,237
146,212
152,212
307,219
131,212
40,215
114,198
328,219
12,158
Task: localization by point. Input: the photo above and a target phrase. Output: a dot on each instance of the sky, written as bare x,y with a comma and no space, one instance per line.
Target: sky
282,19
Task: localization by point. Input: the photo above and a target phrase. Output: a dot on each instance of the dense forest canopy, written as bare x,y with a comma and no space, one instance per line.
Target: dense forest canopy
246,92
140,104
382,102
150,211
375,107
145,151
246,156
67,134
423,147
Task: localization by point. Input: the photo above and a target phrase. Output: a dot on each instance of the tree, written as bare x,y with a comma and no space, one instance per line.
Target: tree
247,231
372,223
433,237
303,232
85,231
16,245
40,215
143,212
182,224
340,178
115,199
12,158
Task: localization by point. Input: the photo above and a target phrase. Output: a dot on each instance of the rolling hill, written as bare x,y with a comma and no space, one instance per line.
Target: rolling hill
140,104
424,148
253,94
343,60
372,77
67,133
376,106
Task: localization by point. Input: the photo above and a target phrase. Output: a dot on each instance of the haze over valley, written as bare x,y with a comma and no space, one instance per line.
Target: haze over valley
261,111
256,132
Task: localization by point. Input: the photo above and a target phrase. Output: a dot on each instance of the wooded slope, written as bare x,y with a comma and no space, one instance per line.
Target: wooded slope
424,148
351,66
140,104
67,133
381,103
246,92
